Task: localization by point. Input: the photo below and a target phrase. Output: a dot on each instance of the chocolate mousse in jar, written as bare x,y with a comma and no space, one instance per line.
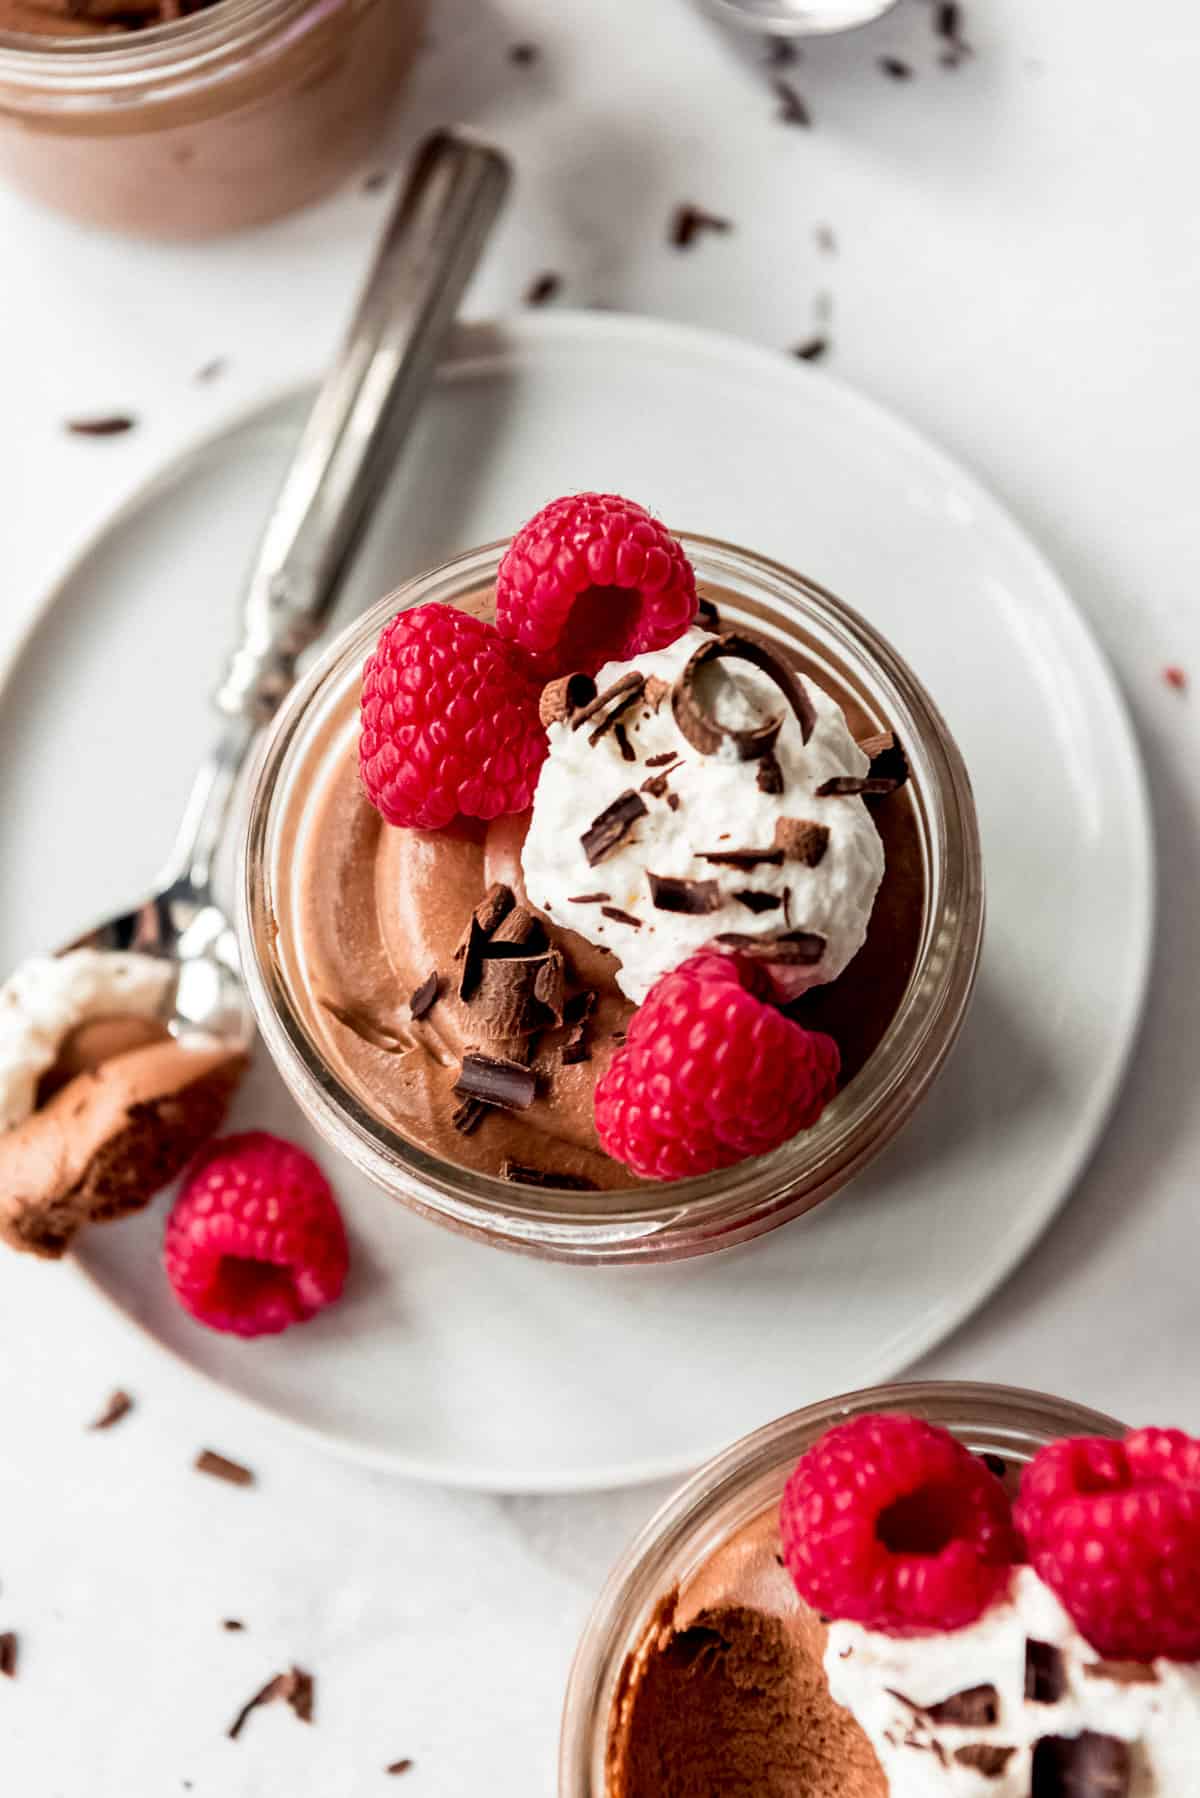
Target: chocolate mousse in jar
868,1599
687,777
186,118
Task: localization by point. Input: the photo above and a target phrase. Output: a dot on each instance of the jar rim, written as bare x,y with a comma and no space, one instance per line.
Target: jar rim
176,50
690,1216
731,1488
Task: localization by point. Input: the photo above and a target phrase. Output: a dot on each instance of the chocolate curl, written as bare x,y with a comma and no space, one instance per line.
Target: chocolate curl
702,729
564,698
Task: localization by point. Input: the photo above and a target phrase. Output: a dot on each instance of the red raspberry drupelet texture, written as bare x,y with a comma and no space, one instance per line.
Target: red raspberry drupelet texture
1113,1528
449,721
255,1241
892,1523
710,1074
593,578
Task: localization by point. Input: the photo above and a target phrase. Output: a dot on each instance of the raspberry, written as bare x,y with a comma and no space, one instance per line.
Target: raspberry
449,720
255,1241
710,1073
893,1523
1113,1528
590,579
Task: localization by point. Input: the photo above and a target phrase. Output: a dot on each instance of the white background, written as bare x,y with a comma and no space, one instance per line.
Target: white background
1017,272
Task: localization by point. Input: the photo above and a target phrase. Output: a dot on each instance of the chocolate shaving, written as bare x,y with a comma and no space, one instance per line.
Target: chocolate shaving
1084,1766
896,68
664,760
425,997
978,1707
8,1653
577,1013
549,980
621,917
1122,1673
467,1118
494,907
743,858
793,109
119,1405
518,995
612,826
222,1468
673,801
658,784
674,892
484,922
495,1080
111,426
609,705
628,752
564,698
758,901
521,1175
589,898
656,691
887,758
701,728
708,615
472,961
846,786
770,775
1045,1672
543,288
519,930
800,840
812,349
688,221
295,1688
985,1758
794,948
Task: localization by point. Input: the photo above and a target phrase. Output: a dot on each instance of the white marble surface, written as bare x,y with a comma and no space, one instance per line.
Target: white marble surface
1018,271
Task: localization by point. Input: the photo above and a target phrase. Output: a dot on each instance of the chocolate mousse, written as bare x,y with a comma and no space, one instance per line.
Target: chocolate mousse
85,18
374,931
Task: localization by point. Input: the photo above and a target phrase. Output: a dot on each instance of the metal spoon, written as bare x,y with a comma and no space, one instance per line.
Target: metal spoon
801,18
355,430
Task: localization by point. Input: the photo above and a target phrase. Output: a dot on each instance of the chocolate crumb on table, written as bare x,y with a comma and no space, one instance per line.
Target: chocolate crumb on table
688,221
404,1766
543,288
896,68
376,180
823,236
524,55
119,1405
114,424
783,53
222,1468
8,1653
233,1624
793,108
295,1688
1177,678
210,370
813,349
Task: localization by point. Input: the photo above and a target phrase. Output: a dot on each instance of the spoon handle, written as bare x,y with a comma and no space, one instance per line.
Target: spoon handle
363,412
365,408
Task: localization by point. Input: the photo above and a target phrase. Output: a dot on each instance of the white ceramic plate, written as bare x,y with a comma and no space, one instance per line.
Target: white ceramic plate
453,1362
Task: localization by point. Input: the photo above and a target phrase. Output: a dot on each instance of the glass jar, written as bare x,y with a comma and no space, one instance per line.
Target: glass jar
687,1217
738,1486
225,118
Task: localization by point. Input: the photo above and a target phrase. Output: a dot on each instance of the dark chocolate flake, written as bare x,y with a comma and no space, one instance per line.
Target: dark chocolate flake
770,775
742,858
8,1653
848,786
674,892
608,706
468,1116
628,752
1084,1766
222,1468
425,997
577,1014
1045,1673
978,1707
800,840
119,1405
612,826
887,758
664,760
472,961
495,1080
621,917
986,1758
520,931
757,901
688,221
794,948
673,801
1122,1673
588,898
521,1175
113,425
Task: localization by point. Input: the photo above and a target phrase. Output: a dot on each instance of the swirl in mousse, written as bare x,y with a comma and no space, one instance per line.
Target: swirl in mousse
588,890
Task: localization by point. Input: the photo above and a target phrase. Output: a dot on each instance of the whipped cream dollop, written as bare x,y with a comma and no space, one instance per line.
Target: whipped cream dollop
50,996
690,809
975,1712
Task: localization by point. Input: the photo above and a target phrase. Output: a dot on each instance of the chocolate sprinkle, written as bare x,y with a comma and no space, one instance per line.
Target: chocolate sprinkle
621,917
742,858
770,775
628,752
295,1687
119,1405
1045,1672
794,948
758,901
1084,1766
222,1468
688,221
589,898
563,699
612,826
543,288
800,840
8,1653
425,997
673,892
495,1080
701,728
468,1116
708,615
793,109
113,426
987,1758
521,1175
812,349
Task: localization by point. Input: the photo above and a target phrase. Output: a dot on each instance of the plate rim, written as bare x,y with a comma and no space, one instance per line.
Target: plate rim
500,343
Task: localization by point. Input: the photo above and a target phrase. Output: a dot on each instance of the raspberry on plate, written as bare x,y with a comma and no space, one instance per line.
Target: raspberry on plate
593,578
1113,1528
710,1073
449,720
255,1241
891,1522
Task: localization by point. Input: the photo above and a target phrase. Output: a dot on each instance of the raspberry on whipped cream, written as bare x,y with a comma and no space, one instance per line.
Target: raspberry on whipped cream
1006,1705
645,843
50,996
